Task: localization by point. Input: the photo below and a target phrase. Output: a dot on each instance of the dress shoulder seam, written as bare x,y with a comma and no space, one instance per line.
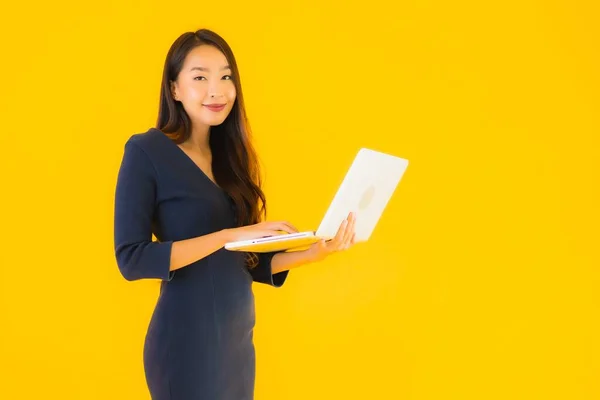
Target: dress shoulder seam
156,176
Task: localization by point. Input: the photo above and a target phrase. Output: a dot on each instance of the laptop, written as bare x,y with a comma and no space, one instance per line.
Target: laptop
366,189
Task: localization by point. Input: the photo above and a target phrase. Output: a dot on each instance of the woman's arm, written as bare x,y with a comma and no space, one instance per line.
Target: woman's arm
185,252
285,261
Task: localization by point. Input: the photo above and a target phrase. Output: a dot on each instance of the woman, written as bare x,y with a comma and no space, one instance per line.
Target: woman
193,182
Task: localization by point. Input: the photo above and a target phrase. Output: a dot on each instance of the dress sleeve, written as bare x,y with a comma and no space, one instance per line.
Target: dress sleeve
138,257
263,273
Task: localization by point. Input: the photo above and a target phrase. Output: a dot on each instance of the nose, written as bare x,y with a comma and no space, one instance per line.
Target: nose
216,90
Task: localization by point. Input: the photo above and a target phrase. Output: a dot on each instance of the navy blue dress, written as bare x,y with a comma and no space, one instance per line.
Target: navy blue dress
199,343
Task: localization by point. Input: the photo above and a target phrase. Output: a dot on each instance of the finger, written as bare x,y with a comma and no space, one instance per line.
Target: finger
283,226
352,230
339,237
350,242
332,244
338,240
347,232
288,227
269,232
349,229
292,228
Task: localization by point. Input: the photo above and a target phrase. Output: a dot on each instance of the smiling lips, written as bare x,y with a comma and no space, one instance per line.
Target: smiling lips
215,107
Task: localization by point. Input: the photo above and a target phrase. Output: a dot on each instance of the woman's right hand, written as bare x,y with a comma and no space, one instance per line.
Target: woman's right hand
262,229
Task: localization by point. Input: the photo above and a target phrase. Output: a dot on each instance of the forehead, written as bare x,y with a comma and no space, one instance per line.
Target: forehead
205,56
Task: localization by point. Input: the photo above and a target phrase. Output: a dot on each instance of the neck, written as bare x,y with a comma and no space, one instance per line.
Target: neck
199,138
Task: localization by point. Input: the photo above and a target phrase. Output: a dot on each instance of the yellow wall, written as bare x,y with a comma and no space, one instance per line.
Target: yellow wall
481,281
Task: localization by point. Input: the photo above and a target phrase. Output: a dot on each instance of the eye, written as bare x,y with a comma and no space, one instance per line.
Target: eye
199,78
227,77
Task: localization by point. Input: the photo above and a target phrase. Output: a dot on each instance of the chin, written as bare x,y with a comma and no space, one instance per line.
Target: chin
216,122
214,119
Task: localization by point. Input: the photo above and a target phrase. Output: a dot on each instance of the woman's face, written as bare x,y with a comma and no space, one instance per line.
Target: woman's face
205,86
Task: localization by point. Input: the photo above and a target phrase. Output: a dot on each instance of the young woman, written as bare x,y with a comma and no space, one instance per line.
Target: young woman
193,182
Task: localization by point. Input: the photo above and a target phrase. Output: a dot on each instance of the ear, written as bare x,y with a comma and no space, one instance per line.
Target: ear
174,91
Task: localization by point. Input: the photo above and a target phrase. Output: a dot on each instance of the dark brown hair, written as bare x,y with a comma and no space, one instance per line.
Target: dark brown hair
234,160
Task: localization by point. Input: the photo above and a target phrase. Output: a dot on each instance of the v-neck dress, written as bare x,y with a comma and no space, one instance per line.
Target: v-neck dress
199,343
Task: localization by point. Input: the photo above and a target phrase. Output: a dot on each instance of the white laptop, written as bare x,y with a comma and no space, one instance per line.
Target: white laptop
366,190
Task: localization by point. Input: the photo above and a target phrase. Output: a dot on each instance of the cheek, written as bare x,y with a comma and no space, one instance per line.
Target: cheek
230,93
195,93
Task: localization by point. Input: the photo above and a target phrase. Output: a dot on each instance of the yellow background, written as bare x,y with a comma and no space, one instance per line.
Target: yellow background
481,281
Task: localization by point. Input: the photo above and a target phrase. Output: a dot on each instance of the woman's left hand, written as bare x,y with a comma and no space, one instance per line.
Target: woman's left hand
343,240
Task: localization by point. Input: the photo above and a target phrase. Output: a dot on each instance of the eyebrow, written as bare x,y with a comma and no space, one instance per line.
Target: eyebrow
206,69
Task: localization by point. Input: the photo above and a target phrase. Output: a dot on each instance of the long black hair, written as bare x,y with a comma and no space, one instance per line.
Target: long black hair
234,161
